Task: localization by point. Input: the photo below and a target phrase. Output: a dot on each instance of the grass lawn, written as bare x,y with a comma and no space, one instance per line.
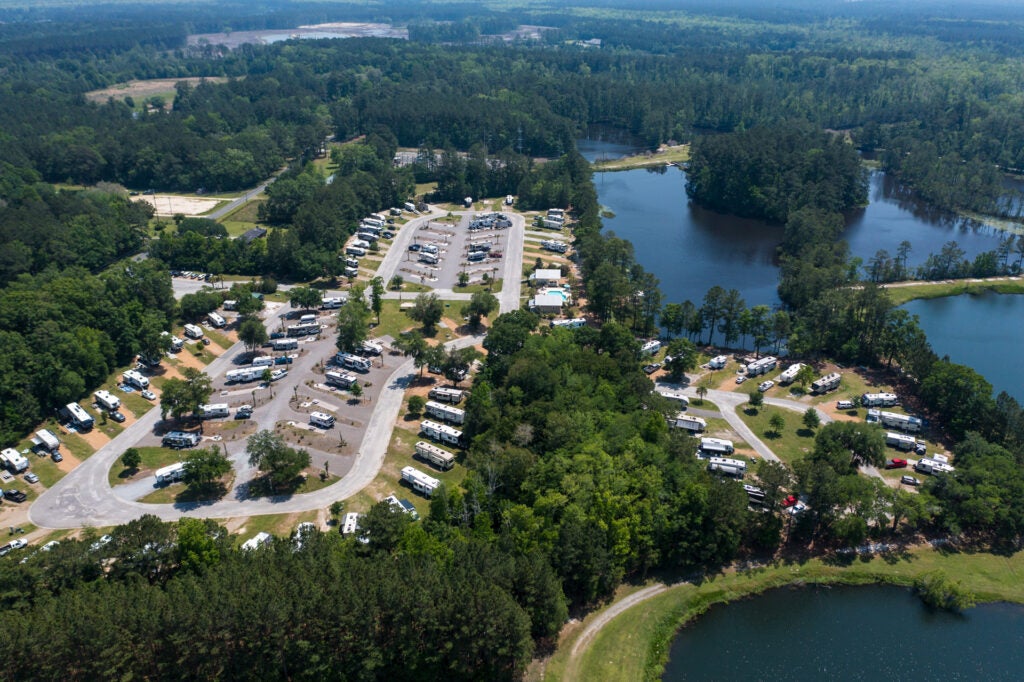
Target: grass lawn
392,321
181,493
677,154
634,645
474,288
704,404
792,443
1008,285
219,339
280,525
152,458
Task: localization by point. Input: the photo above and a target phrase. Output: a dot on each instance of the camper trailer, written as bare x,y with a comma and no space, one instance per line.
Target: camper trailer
650,347
332,302
106,400
440,458
180,439
445,412
13,460
718,362
715,446
441,432
678,399
685,421
446,395
135,380
879,399
574,323
788,376
244,375
728,466
762,366
420,482
321,420
933,465
827,383
340,379
193,332
356,251
216,320
214,411
353,362
77,417
900,441
46,441
307,329
371,348
170,474
893,420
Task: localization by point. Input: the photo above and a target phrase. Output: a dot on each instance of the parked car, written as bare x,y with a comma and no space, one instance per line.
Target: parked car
56,457
797,508
243,412
19,543
48,546
148,395
31,478
414,247
117,416
765,385
844,405
741,378
104,540
206,341
388,234
909,480
896,463
789,501
652,368
15,495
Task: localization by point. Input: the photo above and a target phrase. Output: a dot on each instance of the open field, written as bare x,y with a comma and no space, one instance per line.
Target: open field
793,441
162,87
902,292
172,204
635,644
664,155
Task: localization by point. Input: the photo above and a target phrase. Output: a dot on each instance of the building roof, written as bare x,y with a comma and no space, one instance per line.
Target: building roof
546,301
548,274
254,233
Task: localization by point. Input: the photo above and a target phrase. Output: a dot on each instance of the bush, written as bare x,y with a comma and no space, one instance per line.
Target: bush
416,405
939,592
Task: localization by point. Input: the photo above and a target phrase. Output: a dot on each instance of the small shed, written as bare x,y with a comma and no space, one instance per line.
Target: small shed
546,303
545,277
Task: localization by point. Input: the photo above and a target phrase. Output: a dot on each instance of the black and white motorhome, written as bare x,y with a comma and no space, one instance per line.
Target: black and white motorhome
340,379
827,383
333,302
574,323
285,344
107,400
420,482
445,412
441,432
879,399
716,446
762,366
321,420
439,457
685,421
214,411
892,420
135,380
170,473
307,329
77,417
353,362
446,395
180,439
900,441
244,375
727,466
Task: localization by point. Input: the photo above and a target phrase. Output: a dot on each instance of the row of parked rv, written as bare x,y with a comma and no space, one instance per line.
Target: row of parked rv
490,221
554,220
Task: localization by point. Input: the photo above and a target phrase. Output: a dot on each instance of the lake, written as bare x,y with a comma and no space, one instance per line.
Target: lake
691,249
848,633
981,331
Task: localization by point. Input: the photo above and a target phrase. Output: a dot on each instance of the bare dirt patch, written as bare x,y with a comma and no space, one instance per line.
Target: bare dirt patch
145,88
172,204
95,438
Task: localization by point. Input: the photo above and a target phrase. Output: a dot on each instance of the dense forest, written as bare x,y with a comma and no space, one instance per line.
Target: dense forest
574,481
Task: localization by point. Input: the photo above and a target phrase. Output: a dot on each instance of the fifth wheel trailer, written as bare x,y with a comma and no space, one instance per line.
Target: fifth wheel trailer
445,412
135,379
728,466
446,395
439,457
827,383
441,432
420,482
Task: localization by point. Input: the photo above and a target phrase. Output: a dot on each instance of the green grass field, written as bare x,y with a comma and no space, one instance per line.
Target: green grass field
791,443
634,645
678,154
152,458
1008,285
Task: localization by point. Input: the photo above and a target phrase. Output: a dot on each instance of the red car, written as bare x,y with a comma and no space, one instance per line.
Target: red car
789,501
896,463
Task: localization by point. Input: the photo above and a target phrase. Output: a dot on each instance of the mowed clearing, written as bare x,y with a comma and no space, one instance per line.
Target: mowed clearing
145,88
170,204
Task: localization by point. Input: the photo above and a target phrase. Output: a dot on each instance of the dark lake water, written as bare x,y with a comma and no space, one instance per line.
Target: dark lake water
983,332
691,249
848,633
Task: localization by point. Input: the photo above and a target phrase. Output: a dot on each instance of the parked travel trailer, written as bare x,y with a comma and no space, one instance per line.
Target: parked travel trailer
321,419
332,302
827,383
553,245
76,415
728,466
340,379
551,224
176,343
230,305
893,420
135,380
879,399
216,320
445,412
350,523
420,482
357,251
677,399
350,271
309,329
106,400
685,421
441,432
371,348
718,362
409,206
262,361
789,375
900,441
428,258
762,366
180,439
374,222
353,362
754,494
476,256
650,347
446,395
440,458
361,244
170,473
214,411
368,237
574,323
932,465
193,332
714,446
244,375
47,441
261,539
560,212
13,460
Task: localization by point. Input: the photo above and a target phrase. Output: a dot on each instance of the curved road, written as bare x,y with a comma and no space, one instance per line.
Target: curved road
85,497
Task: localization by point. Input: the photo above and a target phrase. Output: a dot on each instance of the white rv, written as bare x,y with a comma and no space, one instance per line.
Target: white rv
446,395
170,473
78,417
900,441
440,458
307,329
441,432
261,539
106,400
353,362
331,302
650,347
13,460
262,361
230,305
678,399
716,446
350,524
445,412
420,482
789,375
340,379
135,379
728,466
216,320
321,420
371,348
46,440
193,332
685,421
574,323
827,383
718,362
893,420
762,366
244,375
879,399
180,439
214,411
285,344
933,465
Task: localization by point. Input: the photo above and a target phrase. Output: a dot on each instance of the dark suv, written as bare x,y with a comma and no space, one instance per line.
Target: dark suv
15,495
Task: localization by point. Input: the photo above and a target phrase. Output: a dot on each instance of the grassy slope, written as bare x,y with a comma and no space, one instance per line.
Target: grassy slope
901,295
